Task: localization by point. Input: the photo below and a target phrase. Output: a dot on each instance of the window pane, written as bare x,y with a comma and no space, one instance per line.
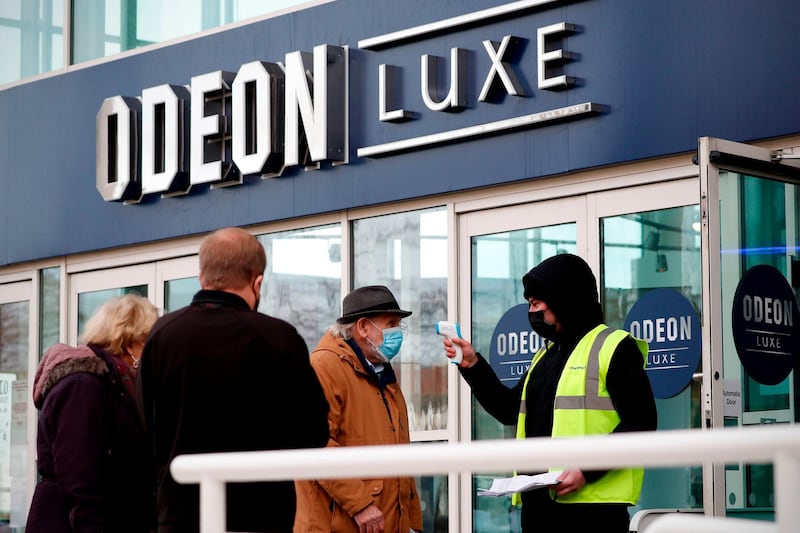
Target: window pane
49,308
10,43
106,27
179,292
88,302
30,38
302,283
433,500
759,227
407,253
642,252
498,263
14,324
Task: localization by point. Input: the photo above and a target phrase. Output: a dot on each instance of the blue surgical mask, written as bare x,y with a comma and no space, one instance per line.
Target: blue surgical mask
392,340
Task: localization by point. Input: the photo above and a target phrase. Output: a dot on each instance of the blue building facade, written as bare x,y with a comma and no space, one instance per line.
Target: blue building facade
442,148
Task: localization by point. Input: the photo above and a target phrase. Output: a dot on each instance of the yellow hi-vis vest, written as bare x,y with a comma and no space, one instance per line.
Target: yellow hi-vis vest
583,407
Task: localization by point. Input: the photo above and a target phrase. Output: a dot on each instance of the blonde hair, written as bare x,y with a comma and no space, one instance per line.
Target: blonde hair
230,258
120,322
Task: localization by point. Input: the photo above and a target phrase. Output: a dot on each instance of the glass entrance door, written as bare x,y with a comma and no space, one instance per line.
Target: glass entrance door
752,230
169,284
15,390
504,245
639,241
88,290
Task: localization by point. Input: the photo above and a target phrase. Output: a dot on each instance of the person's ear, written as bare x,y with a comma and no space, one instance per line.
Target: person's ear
257,283
361,327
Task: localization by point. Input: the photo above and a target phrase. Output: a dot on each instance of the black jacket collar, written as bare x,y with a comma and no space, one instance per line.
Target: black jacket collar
209,298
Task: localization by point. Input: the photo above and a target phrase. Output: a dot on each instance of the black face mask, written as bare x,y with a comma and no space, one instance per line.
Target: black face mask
542,328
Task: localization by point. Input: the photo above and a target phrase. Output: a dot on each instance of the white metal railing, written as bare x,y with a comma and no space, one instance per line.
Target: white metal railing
779,445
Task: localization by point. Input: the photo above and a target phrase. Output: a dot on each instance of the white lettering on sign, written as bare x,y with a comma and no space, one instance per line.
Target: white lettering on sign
657,359
663,329
766,341
519,369
765,310
518,343
296,117
270,116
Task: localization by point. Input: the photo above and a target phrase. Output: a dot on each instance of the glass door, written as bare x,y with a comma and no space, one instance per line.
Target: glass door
14,393
643,244
498,247
752,232
650,279
88,290
176,283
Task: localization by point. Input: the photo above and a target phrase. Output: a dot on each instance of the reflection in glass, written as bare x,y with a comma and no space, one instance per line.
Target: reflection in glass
407,252
646,251
14,394
302,283
179,292
88,302
49,307
433,500
31,38
112,26
498,263
759,225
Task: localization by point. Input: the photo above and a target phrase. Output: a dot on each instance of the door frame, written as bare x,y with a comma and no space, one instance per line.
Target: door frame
584,206
714,155
111,278
17,290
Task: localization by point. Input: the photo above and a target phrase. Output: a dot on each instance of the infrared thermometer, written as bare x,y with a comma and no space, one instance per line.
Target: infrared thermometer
451,330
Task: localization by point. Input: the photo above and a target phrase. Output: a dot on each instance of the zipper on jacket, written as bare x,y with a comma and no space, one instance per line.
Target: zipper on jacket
388,412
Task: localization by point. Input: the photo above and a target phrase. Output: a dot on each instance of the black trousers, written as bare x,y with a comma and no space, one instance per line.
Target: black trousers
542,514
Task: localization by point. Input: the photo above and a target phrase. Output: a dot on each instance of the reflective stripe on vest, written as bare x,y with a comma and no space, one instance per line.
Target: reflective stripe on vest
583,407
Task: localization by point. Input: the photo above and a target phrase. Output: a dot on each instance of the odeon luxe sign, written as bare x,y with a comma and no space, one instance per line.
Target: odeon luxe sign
270,116
235,125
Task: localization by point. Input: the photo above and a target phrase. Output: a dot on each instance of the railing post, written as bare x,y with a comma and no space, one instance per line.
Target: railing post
212,505
787,477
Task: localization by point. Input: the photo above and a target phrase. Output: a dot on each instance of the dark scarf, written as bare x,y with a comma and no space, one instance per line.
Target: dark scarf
382,378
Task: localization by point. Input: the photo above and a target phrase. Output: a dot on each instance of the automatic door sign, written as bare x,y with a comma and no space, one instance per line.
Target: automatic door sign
513,345
764,325
669,323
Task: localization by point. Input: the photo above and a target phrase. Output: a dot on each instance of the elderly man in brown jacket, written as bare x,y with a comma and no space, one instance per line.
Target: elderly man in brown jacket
366,408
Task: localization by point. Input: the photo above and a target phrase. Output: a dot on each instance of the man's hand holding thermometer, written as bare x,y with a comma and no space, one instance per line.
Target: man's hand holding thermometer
456,348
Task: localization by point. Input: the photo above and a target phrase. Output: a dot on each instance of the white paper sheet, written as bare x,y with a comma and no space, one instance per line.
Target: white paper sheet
509,485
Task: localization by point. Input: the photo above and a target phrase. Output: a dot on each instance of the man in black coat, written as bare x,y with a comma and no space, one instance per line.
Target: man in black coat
564,309
217,376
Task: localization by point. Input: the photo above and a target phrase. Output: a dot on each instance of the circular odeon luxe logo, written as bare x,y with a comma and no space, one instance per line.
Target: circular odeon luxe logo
764,325
669,324
513,345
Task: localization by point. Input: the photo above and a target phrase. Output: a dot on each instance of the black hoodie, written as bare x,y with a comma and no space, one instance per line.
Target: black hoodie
566,284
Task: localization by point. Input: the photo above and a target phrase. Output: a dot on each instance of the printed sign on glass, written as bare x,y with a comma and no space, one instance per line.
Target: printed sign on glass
669,323
764,327
513,345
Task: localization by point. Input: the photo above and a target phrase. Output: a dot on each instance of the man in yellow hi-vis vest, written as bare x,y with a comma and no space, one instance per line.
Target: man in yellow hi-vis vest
587,379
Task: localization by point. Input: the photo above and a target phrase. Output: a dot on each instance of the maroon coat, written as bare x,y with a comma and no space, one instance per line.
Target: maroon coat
92,454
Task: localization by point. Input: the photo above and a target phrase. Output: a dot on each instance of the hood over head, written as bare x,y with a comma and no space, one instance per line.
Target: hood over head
568,287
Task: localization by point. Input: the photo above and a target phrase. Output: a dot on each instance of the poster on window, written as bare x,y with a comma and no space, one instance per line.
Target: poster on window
6,388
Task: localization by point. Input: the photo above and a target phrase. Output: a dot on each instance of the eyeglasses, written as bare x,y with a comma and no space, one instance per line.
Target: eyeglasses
402,325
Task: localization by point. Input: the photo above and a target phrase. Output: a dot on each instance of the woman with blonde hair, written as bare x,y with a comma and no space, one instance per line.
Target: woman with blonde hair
93,458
